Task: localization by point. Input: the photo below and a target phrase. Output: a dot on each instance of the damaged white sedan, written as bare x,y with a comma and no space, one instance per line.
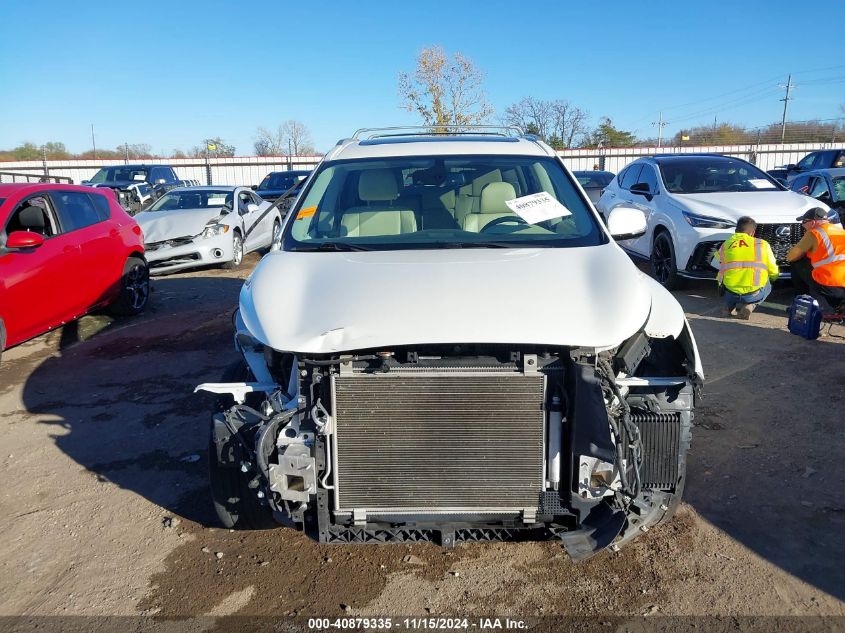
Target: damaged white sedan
201,226
449,346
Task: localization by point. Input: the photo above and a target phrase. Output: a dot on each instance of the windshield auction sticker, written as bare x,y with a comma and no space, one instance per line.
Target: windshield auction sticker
760,183
537,207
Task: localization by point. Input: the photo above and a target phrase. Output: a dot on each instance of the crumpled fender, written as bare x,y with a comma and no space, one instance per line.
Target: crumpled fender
667,319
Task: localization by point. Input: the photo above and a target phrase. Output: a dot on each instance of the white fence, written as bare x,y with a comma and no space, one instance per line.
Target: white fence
250,170
764,156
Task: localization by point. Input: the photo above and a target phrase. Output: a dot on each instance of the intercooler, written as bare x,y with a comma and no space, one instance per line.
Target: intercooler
433,442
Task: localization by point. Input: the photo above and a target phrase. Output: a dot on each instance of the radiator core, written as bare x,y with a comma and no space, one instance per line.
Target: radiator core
438,442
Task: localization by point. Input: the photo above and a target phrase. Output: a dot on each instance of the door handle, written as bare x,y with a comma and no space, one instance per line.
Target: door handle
69,249
114,233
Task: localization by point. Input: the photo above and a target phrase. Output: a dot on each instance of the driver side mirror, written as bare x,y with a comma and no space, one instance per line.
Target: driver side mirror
791,167
160,181
24,239
626,223
642,189
254,187
251,208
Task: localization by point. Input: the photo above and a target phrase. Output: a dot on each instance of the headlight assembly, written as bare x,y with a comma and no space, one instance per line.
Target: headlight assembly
213,230
705,222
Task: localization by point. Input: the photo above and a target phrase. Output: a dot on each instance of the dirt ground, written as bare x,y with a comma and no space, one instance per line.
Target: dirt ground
104,508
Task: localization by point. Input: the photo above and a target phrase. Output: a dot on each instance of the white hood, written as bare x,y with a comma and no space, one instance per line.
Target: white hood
329,302
167,225
763,206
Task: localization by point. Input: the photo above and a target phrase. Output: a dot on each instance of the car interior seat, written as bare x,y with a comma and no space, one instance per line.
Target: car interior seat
468,199
378,189
491,206
29,218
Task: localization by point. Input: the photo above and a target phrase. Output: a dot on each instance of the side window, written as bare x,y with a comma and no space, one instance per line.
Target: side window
34,214
168,174
839,160
818,187
808,161
75,210
101,204
647,176
630,176
243,199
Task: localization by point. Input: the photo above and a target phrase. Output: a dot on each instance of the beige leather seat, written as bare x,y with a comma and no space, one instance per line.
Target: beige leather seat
491,206
469,196
378,188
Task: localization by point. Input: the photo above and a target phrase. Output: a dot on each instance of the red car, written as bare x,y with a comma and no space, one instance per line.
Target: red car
64,251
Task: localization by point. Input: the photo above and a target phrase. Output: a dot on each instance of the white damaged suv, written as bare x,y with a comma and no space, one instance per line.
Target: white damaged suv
449,346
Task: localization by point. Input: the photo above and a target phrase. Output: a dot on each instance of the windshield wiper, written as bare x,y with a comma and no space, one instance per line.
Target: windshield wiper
475,245
333,246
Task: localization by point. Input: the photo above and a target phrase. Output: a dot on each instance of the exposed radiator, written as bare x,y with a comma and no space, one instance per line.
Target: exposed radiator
661,441
438,442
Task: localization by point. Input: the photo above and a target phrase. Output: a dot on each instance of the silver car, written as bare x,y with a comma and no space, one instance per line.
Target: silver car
200,226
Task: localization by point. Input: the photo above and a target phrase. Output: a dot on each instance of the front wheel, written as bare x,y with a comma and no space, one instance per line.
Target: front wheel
237,252
134,288
276,238
663,265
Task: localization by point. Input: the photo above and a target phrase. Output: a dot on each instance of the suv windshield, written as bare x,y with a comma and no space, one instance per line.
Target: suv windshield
193,200
713,174
441,202
281,180
119,174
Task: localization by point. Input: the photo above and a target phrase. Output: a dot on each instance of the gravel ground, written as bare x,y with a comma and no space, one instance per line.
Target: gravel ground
104,507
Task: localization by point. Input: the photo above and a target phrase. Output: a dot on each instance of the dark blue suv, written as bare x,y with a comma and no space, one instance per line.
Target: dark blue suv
277,182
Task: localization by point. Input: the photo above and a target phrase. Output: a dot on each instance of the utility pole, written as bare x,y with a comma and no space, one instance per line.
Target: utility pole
126,151
660,123
93,142
786,101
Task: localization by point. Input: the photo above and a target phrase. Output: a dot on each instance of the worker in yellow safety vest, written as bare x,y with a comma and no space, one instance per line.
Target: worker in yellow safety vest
746,264
818,261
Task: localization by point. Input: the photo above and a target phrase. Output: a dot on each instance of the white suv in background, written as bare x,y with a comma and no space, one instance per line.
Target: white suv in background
692,203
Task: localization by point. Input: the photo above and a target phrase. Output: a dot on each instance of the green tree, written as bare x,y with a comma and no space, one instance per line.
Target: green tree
27,151
608,135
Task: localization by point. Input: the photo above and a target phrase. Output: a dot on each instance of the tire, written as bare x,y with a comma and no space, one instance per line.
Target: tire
275,236
235,503
134,288
664,267
237,251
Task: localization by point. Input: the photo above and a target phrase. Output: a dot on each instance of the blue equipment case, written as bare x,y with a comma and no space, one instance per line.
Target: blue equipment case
805,317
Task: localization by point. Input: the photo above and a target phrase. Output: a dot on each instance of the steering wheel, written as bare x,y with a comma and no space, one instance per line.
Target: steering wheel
505,219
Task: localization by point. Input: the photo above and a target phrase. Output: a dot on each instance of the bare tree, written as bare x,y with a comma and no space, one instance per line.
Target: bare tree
445,92
290,137
531,114
569,122
557,122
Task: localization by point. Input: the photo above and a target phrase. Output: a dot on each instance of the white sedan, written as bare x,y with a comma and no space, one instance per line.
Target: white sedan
200,226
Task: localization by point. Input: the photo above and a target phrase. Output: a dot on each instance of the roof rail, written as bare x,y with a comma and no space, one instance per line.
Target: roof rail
437,130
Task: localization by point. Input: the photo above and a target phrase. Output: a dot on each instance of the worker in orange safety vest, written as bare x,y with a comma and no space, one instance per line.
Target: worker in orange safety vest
818,261
746,266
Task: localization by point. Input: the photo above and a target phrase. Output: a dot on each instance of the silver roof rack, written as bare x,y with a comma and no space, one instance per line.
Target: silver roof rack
436,130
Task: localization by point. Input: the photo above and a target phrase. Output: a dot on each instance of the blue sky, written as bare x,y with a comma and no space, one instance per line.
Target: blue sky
172,73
